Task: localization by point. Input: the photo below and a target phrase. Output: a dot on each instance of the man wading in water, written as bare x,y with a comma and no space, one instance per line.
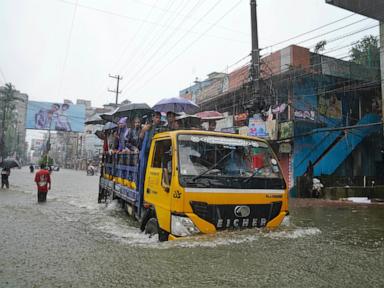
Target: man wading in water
43,181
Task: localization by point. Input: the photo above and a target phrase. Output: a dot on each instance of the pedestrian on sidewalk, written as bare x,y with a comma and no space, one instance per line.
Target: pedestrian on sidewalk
43,181
4,177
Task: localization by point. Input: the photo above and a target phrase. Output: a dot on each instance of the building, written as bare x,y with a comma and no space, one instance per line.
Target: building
15,131
21,114
36,150
90,144
313,108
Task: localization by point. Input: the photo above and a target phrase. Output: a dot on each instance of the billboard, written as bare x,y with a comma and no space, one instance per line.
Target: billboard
55,116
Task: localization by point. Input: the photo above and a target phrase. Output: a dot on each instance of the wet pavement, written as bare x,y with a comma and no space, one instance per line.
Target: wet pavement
72,241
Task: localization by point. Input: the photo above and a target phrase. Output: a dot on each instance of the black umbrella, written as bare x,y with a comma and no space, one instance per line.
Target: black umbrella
132,110
94,120
109,126
100,134
176,105
108,116
10,163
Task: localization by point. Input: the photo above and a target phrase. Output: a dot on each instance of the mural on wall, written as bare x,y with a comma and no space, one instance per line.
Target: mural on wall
305,99
330,106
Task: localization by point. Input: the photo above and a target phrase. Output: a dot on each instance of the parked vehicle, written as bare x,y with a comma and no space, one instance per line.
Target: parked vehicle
198,182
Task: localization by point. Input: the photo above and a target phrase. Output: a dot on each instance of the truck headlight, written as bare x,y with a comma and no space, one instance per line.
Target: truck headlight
182,226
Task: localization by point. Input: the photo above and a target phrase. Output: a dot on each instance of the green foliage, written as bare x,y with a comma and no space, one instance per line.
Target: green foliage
320,46
46,160
366,52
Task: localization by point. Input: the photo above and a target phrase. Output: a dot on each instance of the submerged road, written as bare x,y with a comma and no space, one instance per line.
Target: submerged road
71,241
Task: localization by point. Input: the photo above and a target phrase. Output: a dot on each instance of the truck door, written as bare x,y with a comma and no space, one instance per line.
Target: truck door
158,180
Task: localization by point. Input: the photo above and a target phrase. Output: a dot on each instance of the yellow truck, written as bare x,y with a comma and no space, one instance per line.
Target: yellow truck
191,182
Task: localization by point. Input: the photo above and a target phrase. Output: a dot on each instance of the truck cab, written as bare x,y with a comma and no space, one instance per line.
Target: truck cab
204,182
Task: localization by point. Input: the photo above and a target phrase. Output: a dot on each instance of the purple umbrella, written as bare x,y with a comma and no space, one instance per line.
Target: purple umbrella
176,105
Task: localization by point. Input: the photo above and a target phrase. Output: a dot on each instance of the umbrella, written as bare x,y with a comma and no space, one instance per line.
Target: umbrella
132,110
109,126
188,121
94,120
210,115
108,116
176,105
99,134
10,163
183,115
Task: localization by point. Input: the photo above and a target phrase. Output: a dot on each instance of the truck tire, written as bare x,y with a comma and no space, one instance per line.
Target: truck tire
147,215
152,228
163,235
101,195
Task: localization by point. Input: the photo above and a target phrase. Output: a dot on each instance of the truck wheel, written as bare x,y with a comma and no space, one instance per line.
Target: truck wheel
163,235
101,195
152,228
147,215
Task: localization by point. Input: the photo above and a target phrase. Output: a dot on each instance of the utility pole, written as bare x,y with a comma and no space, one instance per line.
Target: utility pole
118,78
255,67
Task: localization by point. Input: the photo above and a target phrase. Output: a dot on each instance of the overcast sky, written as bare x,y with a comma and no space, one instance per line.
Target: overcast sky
58,49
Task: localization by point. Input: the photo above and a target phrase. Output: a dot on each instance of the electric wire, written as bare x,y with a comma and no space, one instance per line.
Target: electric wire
179,40
344,36
67,48
129,42
190,44
310,31
371,6
151,42
3,76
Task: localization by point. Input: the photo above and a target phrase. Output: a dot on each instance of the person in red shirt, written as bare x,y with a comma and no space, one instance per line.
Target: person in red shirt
43,182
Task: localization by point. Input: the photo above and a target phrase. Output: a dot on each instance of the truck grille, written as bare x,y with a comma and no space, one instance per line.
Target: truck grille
237,216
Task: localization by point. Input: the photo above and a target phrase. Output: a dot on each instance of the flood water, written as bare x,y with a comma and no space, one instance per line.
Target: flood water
72,241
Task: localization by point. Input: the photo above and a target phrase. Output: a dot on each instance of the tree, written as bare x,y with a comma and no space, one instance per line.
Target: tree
320,46
366,52
8,119
45,159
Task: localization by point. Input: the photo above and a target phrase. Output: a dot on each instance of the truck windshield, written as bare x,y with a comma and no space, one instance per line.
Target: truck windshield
216,161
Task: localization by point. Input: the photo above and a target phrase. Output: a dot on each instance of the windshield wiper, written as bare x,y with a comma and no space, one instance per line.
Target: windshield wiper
253,175
212,167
